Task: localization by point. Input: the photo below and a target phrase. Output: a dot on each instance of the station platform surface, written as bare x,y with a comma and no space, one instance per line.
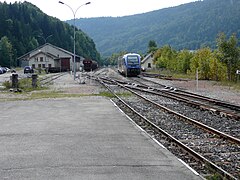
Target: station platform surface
79,138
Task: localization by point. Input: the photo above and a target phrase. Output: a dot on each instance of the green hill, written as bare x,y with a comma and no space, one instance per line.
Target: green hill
23,27
188,26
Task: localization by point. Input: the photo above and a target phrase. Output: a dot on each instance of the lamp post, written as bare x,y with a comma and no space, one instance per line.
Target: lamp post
74,35
45,40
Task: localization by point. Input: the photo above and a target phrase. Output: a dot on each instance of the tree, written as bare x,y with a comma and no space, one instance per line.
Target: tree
166,57
218,70
228,53
201,62
183,61
6,52
152,46
113,60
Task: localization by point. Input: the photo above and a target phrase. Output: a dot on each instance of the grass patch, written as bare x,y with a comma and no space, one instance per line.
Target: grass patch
57,94
33,95
110,95
25,85
7,85
124,94
214,177
106,94
51,94
183,76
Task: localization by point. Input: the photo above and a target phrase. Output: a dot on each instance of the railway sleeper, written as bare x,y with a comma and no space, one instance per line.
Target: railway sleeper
223,114
214,111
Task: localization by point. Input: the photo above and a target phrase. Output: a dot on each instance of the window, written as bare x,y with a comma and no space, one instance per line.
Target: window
133,60
149,65
33,66
41,59
39,65
43,65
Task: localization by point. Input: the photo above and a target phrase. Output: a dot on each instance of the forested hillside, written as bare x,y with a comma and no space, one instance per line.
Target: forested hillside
23,27
190,26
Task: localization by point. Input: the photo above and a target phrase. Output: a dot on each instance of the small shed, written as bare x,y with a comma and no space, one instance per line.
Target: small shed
147,62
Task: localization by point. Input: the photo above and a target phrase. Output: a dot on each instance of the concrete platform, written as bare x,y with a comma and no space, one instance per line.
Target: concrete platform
79,138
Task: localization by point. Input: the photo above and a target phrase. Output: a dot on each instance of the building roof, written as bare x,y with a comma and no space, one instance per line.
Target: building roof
46,53
146,58
47,44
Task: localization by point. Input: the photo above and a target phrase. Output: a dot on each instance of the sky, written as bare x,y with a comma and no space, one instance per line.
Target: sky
100,8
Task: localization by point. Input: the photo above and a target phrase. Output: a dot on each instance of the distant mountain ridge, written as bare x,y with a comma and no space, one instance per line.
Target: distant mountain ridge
187,26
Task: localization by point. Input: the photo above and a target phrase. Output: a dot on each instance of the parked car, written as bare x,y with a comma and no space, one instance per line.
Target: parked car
2,70
6,68
28,69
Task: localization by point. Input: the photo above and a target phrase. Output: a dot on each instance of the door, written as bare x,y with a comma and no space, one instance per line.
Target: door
65,64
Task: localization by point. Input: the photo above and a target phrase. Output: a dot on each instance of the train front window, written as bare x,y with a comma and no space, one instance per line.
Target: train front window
133,60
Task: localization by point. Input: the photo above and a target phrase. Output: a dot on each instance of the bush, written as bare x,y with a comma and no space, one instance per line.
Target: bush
7,84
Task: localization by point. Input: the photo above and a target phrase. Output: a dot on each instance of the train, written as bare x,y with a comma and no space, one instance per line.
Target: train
89,65
129,64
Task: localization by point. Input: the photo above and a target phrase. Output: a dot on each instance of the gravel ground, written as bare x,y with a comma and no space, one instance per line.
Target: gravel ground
66,84
206,88
81,85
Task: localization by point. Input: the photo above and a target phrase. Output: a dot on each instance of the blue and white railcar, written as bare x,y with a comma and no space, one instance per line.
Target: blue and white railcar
129,64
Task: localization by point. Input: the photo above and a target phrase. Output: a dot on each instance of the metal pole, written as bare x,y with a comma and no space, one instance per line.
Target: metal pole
74,49
197,78
74,35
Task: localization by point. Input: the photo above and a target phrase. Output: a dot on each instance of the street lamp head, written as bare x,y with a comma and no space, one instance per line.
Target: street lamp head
74,34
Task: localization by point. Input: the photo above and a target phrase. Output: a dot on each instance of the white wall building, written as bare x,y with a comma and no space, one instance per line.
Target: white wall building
147,62
50,56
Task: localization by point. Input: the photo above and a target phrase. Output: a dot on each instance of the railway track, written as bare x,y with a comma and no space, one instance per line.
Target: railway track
204,148
229,126
214,105
50,78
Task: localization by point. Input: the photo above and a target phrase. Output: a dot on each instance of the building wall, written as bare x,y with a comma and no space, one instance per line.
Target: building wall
53,57
38,58
41,61
54,51
148,62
